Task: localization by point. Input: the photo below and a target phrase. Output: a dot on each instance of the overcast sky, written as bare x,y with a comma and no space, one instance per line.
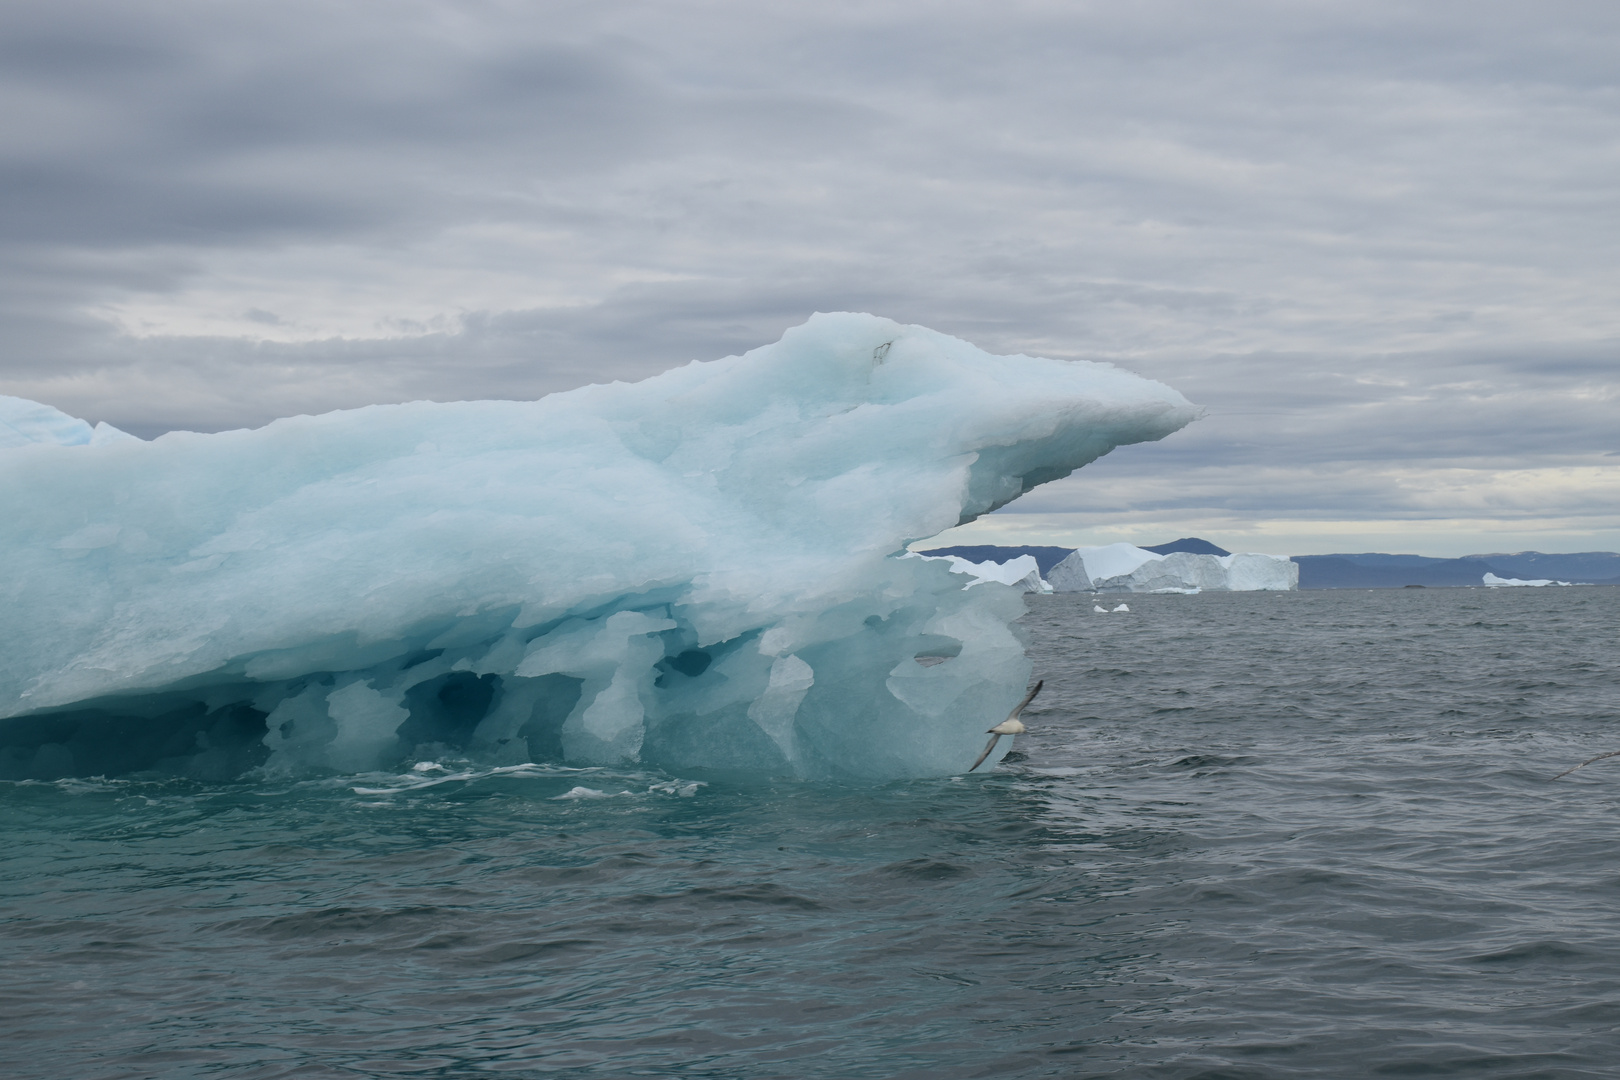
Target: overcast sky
1380,242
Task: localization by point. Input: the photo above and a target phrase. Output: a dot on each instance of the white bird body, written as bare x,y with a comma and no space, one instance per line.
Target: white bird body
1010,726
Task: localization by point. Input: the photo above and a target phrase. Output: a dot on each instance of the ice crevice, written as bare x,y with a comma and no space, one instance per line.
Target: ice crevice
703,570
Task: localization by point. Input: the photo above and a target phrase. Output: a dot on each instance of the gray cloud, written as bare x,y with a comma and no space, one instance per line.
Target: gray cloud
1375,240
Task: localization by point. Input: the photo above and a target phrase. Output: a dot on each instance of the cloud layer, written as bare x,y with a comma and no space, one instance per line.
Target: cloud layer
1375,239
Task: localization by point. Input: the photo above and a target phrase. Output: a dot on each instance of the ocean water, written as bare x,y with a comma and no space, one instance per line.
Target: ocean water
1251,835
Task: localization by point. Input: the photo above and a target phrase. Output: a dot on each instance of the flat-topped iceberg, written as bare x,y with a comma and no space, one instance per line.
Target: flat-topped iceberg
1126,568
699,570
1491,581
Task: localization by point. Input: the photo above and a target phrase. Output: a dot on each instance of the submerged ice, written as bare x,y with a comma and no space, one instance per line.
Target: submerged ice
700,570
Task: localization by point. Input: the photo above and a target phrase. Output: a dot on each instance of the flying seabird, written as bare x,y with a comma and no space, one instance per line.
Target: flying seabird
1010,726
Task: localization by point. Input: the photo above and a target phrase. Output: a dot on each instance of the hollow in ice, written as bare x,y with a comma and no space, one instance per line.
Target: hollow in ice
699,570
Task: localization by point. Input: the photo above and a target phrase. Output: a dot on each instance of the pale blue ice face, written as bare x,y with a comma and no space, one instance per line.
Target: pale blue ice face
694,571
28,423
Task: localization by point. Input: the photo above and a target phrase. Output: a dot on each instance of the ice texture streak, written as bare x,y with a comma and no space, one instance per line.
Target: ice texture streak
702,570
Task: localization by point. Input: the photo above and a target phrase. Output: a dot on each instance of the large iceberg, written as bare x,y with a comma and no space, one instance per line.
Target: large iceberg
700,570
1126,568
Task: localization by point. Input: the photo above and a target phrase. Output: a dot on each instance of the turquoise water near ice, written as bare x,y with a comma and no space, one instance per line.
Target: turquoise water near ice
1249,835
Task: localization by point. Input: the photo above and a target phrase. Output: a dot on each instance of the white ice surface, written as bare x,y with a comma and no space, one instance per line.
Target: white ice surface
1494,582
1081,568
1022,572
1124,568
696,570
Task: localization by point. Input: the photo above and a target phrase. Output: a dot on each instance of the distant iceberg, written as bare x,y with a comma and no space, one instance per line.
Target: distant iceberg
1494,582
699,570
1022,573
1126,568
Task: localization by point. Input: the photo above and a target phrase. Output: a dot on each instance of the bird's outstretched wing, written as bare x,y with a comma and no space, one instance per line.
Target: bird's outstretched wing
989,746
1566,772
998,731
1029,697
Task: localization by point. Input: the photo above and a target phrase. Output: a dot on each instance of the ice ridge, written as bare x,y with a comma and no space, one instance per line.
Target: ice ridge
699,570
24,423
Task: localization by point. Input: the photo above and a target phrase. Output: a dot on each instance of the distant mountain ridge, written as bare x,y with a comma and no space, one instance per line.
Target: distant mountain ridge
1190,544
1376,570
1365,570
1586,565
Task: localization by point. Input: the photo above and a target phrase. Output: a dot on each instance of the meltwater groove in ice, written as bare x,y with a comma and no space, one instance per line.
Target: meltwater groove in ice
700,570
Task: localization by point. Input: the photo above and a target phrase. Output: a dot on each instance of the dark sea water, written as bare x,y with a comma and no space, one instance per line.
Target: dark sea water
1251,835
